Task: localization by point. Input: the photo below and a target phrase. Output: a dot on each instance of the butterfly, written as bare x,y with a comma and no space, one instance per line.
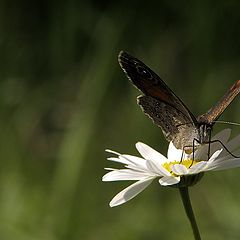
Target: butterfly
167,110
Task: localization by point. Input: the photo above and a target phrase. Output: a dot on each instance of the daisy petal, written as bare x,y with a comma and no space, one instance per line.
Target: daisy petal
198,167
222,138
130,192
134,160
230,163
174,153
179,169
149,153
223,135
111,151
215,155
123,175
201,152
214,159
157,168
118,159
233,143
166,181
111,169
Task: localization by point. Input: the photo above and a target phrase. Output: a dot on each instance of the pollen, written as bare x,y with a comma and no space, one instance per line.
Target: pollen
187,163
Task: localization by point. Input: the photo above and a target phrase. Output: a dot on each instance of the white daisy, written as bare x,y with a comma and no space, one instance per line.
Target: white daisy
175,169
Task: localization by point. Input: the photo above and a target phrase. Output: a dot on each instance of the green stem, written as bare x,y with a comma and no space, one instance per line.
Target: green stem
189,211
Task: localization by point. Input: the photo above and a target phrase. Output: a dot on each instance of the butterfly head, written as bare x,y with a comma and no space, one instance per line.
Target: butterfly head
205,129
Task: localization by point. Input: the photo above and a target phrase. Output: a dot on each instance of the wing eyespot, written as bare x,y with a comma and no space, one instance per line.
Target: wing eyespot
144,72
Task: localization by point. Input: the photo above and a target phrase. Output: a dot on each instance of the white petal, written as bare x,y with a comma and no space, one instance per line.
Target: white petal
123,175
201,152
230,163
157,168
118,159
137,168
111,169
138,163
166,181
236,152
174,154
130,192
126,159
223,135
111,151
149,153
134,160
213,161
233,144
179,169
222,138
198,167
214,157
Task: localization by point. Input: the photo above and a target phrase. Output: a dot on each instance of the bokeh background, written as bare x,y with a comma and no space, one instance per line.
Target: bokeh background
64,99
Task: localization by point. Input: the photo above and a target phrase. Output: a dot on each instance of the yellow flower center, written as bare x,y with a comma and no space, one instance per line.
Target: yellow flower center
187,163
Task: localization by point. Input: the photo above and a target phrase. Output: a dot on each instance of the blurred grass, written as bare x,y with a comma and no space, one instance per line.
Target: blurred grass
64,99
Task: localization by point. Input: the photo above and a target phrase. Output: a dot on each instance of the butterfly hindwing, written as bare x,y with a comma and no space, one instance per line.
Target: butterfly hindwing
174,124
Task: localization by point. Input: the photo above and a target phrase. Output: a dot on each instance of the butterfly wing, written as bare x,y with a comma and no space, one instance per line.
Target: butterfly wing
174,124
159,102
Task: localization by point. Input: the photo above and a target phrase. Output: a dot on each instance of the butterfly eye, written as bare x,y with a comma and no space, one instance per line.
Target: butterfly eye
144,72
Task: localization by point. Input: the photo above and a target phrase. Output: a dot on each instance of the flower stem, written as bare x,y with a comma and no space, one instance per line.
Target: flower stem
189,211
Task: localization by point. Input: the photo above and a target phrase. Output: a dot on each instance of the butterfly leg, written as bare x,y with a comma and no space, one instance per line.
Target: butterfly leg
193,150
209,130
182,156
218,141
193,146
185,148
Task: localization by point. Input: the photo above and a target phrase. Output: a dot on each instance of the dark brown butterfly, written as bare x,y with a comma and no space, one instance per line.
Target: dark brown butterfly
167,110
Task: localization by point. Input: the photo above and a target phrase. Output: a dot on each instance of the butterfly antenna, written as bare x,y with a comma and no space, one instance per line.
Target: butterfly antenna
226,122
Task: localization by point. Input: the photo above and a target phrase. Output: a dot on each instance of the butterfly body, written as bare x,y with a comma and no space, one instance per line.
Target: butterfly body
167,110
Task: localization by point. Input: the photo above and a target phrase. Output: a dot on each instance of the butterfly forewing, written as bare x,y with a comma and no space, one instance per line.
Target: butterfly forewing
160,103
151,84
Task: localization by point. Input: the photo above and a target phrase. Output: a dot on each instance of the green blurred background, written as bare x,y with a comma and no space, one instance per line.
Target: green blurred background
64,99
